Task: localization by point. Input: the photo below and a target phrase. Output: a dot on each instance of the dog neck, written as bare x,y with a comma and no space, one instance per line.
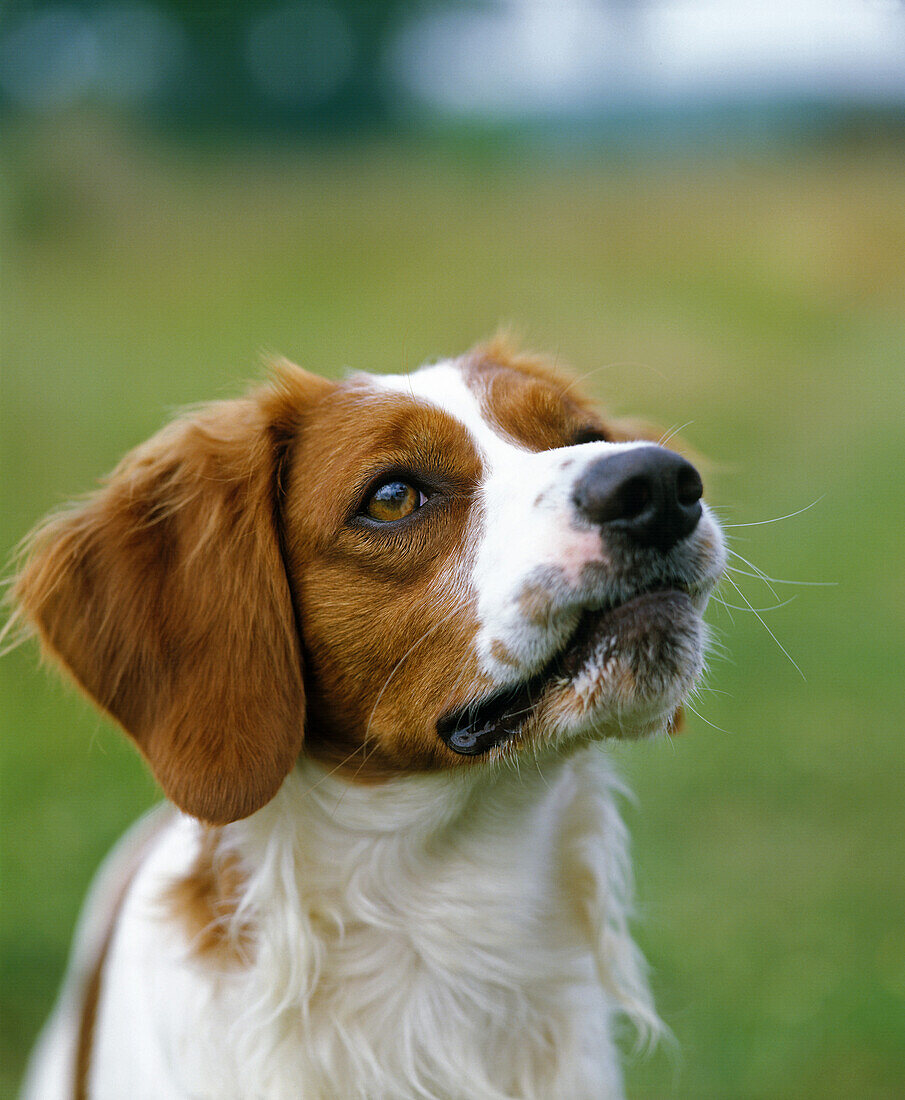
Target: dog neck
413,809
359,849
486,896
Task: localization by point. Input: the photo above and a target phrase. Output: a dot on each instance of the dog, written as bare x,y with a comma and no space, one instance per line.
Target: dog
371,637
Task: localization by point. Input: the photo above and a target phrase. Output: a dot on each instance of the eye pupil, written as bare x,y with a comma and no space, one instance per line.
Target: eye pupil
393,500
394,493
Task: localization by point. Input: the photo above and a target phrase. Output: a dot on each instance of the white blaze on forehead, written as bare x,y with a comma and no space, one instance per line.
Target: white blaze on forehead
444,386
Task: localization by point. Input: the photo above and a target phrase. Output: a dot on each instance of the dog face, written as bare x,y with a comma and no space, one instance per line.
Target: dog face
445,568
493,571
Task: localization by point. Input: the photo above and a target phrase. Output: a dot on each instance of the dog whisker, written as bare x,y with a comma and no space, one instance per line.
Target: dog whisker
778,580
777,519
707,721
767,628
739,607
673,432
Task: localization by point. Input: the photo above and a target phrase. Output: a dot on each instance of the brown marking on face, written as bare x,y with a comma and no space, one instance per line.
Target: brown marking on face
186,595
626,681
526,398
500,652
534,602
537,404
388,621
204,900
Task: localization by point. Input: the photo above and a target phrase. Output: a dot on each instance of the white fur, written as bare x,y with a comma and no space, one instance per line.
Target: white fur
455,937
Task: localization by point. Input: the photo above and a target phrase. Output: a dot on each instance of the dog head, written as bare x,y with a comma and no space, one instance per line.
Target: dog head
393,574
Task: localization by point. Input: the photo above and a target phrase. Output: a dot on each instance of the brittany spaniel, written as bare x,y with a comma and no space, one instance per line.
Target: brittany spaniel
371,636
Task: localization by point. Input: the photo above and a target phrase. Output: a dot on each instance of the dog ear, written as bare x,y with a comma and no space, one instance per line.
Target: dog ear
166,597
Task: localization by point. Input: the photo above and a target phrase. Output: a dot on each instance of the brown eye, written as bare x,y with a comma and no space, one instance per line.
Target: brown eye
393,500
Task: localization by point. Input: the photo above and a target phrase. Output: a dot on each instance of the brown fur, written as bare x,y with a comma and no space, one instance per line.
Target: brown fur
534,602
538,404
677,722
500,652
165,597
388,633
528,399
204,900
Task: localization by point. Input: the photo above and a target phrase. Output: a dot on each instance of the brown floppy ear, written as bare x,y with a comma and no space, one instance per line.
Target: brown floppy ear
166,597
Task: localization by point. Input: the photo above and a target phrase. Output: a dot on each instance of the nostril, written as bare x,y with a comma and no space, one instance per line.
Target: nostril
634,496
689,487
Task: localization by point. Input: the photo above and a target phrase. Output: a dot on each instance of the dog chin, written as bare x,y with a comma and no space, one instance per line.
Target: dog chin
632,672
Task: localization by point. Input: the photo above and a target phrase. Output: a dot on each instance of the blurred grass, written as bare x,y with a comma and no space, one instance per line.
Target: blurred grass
759,298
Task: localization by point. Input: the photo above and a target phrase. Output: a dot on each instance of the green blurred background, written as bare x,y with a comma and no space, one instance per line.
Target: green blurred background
735,265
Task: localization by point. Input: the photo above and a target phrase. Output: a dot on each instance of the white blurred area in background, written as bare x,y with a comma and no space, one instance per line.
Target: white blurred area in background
491,59
548,57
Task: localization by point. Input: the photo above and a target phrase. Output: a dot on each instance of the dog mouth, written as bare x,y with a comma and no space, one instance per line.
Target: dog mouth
650,617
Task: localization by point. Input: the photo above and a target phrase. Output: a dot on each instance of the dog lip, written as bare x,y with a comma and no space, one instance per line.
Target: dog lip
473,729
628,618
477,727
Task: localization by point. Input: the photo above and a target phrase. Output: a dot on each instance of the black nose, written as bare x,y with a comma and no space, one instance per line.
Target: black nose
649,494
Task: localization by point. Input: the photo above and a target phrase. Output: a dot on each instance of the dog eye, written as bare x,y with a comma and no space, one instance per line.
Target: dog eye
393,500
588,434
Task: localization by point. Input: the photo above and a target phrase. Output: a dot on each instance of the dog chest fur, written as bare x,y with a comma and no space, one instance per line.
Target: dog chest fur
393,951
